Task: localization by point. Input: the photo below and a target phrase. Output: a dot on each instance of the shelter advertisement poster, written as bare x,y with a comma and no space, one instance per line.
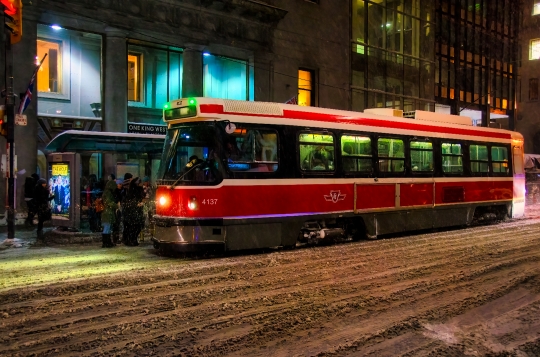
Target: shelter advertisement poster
59,186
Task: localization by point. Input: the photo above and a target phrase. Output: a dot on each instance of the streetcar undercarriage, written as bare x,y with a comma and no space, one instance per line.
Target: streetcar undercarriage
245,234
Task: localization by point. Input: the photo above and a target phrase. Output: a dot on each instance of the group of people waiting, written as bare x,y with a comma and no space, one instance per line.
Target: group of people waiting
124,201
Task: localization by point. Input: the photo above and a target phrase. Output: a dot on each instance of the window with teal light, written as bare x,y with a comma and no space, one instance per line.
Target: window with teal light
225,78
156,78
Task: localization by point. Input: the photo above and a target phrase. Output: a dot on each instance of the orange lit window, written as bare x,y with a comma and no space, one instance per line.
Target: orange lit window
48,78
536,8
305,87
134,76
534,49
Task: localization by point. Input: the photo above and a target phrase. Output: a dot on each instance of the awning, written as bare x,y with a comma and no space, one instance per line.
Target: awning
532,163
95,141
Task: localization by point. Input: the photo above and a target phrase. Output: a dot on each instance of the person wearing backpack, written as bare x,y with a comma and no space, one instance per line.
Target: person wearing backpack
42,198
29,186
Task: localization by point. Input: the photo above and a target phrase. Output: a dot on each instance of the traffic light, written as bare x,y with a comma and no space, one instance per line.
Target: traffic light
3,121
13,18
3,127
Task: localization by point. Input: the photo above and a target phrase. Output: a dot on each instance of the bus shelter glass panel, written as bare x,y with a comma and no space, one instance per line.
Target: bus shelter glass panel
60,188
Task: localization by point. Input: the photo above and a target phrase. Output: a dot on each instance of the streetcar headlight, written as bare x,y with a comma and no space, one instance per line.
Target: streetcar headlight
162,200
193,204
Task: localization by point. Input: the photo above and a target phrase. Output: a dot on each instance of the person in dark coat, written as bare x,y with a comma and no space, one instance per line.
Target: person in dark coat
115,228
108,216
43,209
132,213
29,187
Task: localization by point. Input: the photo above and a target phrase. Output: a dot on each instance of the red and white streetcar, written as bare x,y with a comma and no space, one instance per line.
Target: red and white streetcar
240,175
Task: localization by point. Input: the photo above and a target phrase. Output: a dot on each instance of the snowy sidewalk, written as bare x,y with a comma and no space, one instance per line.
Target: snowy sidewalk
26,236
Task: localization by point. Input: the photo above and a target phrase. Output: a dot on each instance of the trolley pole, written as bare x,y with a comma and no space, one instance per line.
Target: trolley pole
10,152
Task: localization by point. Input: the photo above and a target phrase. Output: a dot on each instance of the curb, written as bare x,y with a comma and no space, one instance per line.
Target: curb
60,236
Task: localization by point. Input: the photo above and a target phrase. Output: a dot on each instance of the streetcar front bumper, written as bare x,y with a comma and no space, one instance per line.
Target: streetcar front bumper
189,236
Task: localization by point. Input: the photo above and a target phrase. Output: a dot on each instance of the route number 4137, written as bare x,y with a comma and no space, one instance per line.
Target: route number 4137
210,201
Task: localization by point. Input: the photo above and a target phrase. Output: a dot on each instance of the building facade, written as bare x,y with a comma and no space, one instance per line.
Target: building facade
392,60
528,118
112,65
477,52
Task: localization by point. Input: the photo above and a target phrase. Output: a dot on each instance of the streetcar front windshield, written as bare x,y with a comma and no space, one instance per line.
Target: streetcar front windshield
189,156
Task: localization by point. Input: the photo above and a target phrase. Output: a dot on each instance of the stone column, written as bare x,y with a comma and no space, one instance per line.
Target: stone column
115,101
114,106
192,80
264,77
26,137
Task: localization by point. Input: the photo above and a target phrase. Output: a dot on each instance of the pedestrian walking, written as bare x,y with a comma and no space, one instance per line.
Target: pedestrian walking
108,216
29,187
132,213
42,197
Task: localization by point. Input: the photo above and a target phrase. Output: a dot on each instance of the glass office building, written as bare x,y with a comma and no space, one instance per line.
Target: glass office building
392,60
476,52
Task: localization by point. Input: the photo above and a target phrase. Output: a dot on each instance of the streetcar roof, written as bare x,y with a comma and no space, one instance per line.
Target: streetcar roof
315,117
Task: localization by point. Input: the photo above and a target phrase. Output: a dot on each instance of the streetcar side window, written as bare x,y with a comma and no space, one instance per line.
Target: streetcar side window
421,156
499,159
391,154
479,158
356,153
452,158
316,151
252,150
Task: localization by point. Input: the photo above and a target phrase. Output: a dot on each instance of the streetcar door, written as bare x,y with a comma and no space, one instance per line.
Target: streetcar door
518,202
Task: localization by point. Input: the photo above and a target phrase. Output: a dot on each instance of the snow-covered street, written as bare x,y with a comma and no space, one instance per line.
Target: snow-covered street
468,292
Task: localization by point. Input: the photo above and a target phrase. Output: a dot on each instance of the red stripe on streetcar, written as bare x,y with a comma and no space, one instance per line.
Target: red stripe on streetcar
329,118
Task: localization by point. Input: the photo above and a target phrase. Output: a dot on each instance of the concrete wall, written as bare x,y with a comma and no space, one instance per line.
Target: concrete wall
316,37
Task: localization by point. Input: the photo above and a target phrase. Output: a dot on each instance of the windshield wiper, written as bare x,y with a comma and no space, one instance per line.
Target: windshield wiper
184,174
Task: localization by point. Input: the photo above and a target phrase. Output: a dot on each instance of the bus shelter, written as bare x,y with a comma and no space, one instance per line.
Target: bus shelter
75,188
